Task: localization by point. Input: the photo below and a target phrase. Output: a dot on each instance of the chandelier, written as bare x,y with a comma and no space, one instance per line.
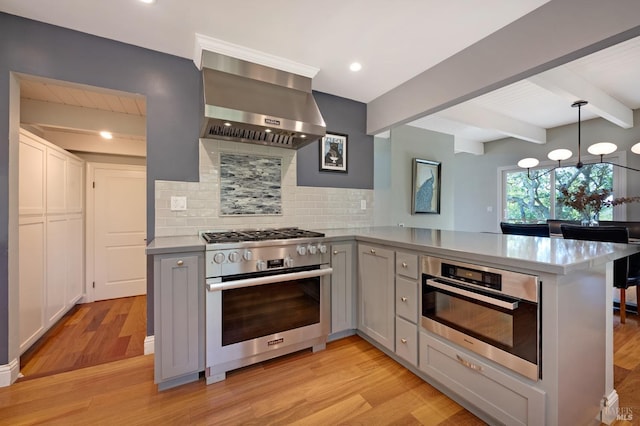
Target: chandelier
561,154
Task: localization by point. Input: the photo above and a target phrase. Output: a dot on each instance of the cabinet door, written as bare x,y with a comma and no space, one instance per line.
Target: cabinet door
75,259
31,321
407,340
407,299
56,181
31,183
342,308
177,309
57,244
74,188
376,301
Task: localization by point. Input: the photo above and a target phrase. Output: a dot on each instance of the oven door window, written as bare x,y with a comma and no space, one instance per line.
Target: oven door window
515,331
252,312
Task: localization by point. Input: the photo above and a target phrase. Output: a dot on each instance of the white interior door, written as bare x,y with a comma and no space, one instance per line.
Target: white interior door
119,213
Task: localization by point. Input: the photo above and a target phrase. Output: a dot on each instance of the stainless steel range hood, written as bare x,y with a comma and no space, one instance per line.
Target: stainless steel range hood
252,103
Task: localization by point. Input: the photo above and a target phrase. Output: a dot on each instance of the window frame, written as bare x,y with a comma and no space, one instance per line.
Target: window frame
619,181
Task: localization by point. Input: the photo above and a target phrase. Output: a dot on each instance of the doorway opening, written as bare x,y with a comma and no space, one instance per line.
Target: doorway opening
82,226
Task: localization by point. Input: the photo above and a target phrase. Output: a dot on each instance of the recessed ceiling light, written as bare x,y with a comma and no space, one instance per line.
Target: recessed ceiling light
355,66
148,1
106,135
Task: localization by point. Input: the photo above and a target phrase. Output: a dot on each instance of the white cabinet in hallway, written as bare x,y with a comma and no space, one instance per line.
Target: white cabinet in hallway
376,317
50,235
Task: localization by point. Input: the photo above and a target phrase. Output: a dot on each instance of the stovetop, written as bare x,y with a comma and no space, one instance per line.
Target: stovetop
221,237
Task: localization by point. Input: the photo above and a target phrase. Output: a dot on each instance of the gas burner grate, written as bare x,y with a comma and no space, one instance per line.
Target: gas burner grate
258,235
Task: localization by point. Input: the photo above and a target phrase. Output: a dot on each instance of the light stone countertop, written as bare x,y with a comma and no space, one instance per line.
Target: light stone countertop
553,255
181,244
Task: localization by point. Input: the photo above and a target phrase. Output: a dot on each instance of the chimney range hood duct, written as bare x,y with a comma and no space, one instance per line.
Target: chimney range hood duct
247,102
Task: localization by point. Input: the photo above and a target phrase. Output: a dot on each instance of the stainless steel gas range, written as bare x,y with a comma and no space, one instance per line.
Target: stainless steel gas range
267,294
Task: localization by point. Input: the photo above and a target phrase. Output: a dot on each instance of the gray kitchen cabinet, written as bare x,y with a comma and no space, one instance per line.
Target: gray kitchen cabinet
342,288
502,396
406,300
179,322
376,316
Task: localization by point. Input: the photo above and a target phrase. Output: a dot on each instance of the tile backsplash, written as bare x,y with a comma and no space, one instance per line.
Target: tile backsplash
302,206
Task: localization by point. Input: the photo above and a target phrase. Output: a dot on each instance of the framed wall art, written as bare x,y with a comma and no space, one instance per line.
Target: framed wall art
426,187
333,153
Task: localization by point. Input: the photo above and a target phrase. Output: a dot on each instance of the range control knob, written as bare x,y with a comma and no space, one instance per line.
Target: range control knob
322,248
313,249
288,262
302,250
218,257
248,255
234,257
261,265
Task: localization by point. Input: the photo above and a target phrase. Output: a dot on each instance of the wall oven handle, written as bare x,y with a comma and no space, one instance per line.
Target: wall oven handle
512,306
249,282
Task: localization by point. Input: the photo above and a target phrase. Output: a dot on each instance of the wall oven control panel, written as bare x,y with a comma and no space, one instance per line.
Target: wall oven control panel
487,279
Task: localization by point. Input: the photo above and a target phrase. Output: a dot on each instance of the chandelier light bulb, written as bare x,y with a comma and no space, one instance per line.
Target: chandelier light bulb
602,148
527,163
560,154
636,148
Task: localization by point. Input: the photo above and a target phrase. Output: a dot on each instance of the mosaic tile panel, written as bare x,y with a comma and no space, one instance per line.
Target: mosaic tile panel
250,185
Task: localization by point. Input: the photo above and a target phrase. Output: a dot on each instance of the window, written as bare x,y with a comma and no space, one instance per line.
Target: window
532,197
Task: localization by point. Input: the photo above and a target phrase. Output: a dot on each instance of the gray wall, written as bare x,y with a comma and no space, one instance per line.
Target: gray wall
347,117
173,91
408,143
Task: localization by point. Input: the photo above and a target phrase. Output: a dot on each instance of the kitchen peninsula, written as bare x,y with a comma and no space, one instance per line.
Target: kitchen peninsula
575,309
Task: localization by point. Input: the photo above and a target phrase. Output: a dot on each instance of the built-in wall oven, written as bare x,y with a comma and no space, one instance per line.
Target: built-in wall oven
492,312
266,296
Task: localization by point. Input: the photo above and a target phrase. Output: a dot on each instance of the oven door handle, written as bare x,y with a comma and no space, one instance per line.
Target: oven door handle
512,306
271,279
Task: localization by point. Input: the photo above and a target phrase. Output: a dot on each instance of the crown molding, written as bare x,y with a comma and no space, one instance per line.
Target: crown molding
215,45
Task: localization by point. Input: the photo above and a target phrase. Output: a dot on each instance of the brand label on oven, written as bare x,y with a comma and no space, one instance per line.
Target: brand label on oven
275,263
275,342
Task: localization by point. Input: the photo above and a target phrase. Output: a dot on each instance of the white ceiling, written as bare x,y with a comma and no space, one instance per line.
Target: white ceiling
394,41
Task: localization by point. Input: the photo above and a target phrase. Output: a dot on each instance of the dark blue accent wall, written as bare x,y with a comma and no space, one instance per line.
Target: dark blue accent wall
348,117
173,89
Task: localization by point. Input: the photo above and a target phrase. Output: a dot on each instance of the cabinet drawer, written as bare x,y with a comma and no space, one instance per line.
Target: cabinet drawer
407,265
407,340
502,396
407,299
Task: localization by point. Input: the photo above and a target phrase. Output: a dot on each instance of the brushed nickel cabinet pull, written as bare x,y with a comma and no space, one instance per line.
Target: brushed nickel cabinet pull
180,262
404,299
469,364
404,264
403,340
335,252
373,251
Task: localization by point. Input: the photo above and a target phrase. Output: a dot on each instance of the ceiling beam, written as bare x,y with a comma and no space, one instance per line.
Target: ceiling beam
85,119
568,30
468,146
565,83
476,116
95,144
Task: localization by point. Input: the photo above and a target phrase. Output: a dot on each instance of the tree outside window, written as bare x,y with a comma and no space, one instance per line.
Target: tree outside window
533,197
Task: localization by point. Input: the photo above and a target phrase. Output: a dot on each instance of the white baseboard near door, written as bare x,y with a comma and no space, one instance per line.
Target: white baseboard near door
149,345
9,373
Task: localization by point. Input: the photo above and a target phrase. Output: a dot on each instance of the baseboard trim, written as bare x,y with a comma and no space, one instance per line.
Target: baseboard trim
9,373
149,345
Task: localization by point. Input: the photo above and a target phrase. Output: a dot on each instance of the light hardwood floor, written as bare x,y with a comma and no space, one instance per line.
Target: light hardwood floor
349,383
